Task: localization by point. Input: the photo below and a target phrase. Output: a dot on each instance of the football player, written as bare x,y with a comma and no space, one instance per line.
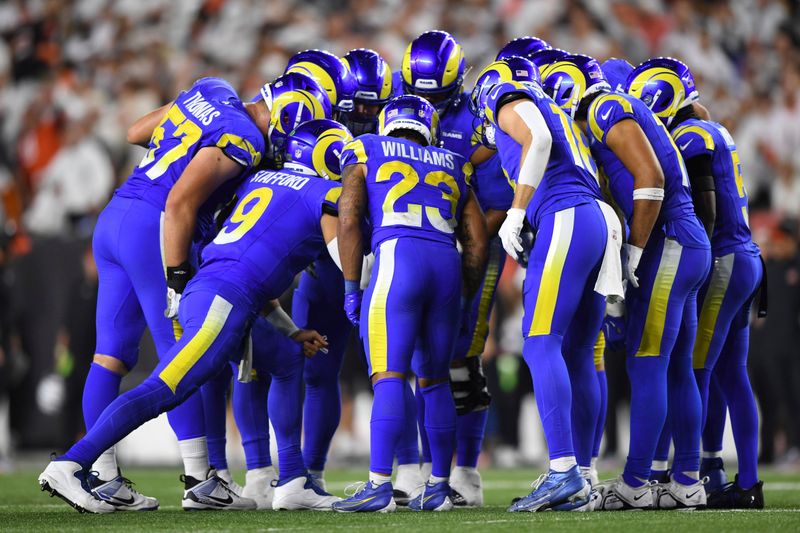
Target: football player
417,201
522,47
720,350
547,159
281,223
198,147
427,71
667,255
318,301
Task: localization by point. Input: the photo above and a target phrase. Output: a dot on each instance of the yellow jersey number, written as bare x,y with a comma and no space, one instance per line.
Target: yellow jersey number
247,212
413,215
581,154
189,133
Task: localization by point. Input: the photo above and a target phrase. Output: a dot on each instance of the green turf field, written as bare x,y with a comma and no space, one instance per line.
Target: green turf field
24,508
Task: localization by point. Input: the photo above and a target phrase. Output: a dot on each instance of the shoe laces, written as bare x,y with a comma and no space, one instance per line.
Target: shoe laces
539,481
354,488
128,483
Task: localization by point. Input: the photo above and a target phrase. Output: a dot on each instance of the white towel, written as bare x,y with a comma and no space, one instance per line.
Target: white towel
246,363
609,279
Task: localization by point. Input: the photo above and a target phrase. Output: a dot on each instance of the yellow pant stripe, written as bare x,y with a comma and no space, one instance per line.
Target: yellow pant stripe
193,350
717,287
376,325
650,345
496,257
599,351
551,275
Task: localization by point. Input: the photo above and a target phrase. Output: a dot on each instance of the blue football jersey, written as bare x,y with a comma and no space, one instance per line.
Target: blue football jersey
272,234
412,190
731,228
208,114
570,178
610,108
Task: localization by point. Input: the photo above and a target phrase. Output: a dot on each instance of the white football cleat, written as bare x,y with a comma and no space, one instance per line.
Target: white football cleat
674,495
120,493
212,494
301,493
616,495
408,484
226,476
467,487
258,486
67,480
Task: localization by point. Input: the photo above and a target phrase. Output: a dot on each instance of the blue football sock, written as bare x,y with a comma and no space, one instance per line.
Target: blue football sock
585,399
101,388
123,415
685,408
716,414
440,425
664,442
648,378
286,411
733,378
252,419
551,385
187,419
215,407
602,382
425,451
322,409
470,429
386,423
407,446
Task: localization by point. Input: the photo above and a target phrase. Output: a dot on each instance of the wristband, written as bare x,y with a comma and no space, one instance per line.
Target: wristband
649,193
351,286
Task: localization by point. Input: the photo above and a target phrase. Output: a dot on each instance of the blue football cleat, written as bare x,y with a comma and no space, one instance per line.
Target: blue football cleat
369,498
714,470
434,497
555,489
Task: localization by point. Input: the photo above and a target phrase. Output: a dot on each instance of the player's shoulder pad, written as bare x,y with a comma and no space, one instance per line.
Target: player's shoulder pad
506,92
329,192
606,110
356,150
693,138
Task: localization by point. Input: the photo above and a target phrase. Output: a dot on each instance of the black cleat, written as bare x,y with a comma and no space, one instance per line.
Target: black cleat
732,496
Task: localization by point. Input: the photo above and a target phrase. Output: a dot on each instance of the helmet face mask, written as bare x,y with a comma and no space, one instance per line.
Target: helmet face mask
412,113
433,68
330,72
373,88
512,68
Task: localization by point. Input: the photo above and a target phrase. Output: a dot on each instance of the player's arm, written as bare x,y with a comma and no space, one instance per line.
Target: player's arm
140,131
310,339
473,234
494,219
207,170
352,204
523,121
481,154
704,195
627,140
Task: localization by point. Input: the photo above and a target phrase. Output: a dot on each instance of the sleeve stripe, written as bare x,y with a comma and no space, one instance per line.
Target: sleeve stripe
597,131
242,144
357,147
333,195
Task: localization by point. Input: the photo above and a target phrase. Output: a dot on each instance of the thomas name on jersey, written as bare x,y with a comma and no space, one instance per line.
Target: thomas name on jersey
202,110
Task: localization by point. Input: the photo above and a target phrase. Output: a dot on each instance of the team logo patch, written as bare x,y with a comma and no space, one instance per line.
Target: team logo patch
521,73
594,74
298,153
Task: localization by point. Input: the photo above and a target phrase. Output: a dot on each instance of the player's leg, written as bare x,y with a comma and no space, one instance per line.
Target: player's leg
602,384
567,252
408,481
119,325
711,464
469,386
390,322
214,394
252,419
214,329
659,471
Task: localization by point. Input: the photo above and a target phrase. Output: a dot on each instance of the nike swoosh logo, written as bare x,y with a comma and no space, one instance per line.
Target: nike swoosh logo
605,115
688,496
639,497
683,146
226,501
123,501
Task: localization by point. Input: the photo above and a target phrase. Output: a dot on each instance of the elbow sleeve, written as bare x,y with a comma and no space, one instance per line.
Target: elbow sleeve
534,161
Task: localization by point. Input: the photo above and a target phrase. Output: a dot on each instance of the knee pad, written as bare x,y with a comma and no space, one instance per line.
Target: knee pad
468,384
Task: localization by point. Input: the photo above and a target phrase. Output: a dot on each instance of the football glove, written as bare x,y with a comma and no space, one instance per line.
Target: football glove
633,255
352,301
177,278
510,230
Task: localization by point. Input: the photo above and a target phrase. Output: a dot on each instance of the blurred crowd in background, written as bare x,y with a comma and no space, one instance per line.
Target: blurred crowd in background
74,74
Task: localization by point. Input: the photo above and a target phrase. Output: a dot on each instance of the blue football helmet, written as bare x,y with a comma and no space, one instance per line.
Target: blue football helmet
373,89
522,47
315,147
665,85
292,99
545,58
330,72
573,78
616,72
433,67
513,68
410,112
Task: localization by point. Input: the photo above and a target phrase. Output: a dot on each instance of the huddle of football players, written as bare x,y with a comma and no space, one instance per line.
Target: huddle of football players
396,197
